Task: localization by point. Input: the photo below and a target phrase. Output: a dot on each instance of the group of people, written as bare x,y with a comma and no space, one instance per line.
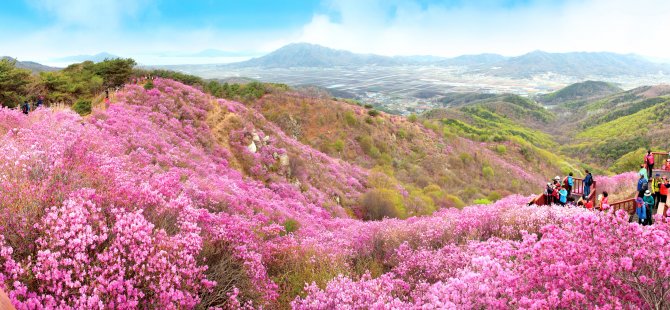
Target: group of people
651,192
26,106
560,192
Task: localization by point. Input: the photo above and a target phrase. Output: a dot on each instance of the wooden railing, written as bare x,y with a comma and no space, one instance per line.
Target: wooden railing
659,159
627,205
577,190
578,187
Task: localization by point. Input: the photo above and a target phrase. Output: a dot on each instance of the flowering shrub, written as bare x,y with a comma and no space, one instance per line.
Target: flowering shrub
573,264
142,205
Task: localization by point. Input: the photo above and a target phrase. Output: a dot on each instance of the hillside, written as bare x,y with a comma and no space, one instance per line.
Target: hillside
576,64
579,93
420,153
30,65
177,199
610,131
487,117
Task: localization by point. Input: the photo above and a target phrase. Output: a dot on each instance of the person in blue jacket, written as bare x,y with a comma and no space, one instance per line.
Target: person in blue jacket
588,181
641,211
563,196
642,186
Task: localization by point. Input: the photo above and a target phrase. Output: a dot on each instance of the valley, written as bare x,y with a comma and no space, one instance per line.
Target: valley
415,85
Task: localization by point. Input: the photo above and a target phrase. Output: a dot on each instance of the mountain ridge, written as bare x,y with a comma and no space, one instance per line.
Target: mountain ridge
578,64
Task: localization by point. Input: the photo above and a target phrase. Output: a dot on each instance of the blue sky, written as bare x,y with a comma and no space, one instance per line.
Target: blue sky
174,31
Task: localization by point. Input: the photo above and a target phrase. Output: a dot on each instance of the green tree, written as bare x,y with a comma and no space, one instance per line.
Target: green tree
82,106
115,72
13,83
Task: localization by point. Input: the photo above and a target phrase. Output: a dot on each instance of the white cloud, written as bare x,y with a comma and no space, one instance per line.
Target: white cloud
576,25
90,14
391,27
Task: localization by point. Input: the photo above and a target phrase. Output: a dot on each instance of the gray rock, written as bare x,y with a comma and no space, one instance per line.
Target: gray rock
283,160
252,147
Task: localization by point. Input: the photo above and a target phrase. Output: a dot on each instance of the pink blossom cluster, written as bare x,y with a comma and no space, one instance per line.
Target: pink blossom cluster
584,260
625,182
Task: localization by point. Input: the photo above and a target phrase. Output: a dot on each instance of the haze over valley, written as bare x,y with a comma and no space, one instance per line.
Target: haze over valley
412,84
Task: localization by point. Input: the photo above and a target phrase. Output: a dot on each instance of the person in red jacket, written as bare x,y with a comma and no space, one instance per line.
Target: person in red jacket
663,189
649,162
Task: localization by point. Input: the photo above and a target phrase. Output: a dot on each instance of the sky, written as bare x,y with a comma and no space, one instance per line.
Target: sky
214,31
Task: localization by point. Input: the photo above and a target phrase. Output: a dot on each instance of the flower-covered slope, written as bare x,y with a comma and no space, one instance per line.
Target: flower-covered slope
163,201
130,207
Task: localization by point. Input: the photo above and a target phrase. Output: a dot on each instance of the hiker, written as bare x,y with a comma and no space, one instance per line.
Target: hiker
649,204
549,193
666,165
604,201
563,196
25,108
571,183
663,190
642,186
107,93
640,210
40,101
589,202
649,162
655,188
643,171
557,182
588,181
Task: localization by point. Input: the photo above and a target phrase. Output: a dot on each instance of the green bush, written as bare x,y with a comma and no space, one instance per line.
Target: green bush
368,106
487,172
82,106
501,149
402,134
482,201
338,145
149,85
412,118
368,146
291,225
350,118
465,158
493,196
377,204
419,203
373,113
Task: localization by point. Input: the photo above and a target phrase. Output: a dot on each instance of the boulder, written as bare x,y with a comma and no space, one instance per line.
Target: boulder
283,160
252,147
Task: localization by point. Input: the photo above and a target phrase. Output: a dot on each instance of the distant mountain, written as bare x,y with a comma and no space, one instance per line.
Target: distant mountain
31,65
473,60
582,91
582,65
81,58
577,64
315,56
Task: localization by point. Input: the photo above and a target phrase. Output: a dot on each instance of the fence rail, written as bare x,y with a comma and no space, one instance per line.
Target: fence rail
627,205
